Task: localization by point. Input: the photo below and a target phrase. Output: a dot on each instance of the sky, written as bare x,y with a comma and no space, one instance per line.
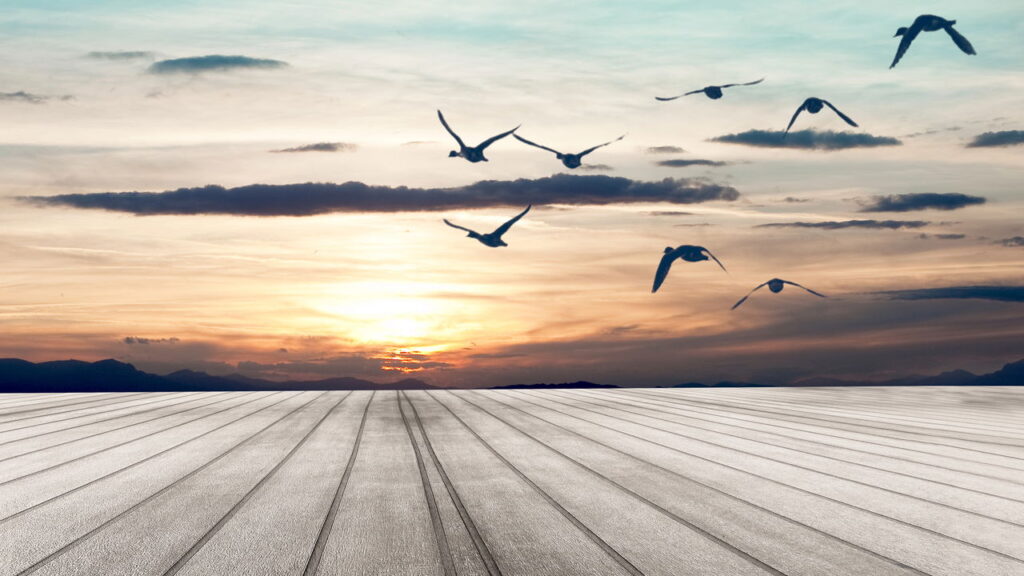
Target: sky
250,253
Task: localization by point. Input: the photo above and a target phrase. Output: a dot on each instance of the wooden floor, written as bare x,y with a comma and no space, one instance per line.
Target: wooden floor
857,481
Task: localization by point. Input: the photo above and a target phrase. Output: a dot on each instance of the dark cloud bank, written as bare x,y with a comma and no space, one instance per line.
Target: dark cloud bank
681,163
1012,242
321,198
212,63
28,97
925,201
322,147
1000,293
864,224
997,139
807,139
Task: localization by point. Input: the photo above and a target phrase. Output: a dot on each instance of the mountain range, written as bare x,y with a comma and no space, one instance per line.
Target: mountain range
113,376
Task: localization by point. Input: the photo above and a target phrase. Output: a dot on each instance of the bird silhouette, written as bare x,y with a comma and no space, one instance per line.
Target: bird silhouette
775,285
492,239
813,106
471,153
569,160
929,23
713,92
685,252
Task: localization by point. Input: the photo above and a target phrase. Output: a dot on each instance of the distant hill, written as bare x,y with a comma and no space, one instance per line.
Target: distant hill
580,384
113,376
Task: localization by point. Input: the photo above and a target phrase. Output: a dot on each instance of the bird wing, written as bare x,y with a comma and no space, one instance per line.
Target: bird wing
960,41
744,299
805,288
504,227
449,129
841,115
525,141
459,227
663,268
667,98
494,139
708,252
908,37
592,148
797,113
744,84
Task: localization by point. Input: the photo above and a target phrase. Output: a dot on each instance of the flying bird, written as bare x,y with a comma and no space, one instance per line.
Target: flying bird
569,160
813,106
474,153
494,238
713,92
685,252
775,285
929,23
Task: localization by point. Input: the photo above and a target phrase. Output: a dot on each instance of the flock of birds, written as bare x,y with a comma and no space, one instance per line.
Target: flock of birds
689,253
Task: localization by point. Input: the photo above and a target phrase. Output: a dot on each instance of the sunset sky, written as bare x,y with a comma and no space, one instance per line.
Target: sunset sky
378,287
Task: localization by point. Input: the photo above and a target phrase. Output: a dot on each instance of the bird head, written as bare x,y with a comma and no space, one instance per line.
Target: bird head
668,249
453,154
900,32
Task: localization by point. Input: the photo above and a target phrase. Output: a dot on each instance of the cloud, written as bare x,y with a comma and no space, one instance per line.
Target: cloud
320,198
664,150
942,236
997,139
211,63
867,224
141,340
679,163
122,55
321,147
669,213
1000,293
794,200
1012,242
22,96
595,167
924,201
807,139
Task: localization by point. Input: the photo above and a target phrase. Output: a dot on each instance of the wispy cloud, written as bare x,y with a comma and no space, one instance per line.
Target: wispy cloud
29,98
321,147
997,139
1000,293
841,225
795,200
320,198
212,63
942,236
680,163
922,201
1012,242
146,341
122,55
664,150
807,139
596,168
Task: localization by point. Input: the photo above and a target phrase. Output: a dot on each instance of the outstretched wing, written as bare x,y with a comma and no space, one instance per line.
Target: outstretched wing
908,37
712,256
504,227
663,268
449,129
805,288
592,148
960,41
795,114
459,227
525,141
745,84
744,299
494,139
846,118
667,98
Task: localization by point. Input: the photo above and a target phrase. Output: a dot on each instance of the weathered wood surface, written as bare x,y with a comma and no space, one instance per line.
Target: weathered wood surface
812,481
